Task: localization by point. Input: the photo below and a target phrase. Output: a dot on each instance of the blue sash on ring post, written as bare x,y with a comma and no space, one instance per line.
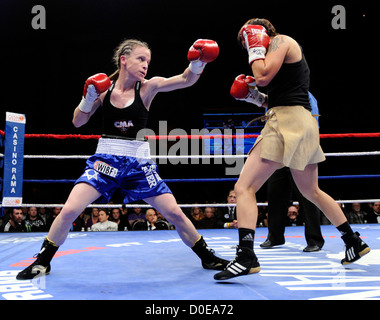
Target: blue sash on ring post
13,159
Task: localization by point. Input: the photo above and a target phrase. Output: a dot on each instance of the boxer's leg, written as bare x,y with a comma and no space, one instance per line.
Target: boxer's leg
80,197
307,183
168,207
255,172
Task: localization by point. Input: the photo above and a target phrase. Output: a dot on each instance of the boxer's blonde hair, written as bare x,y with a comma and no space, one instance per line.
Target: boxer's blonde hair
125,48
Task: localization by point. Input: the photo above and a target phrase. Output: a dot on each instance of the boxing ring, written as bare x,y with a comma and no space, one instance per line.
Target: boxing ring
145,266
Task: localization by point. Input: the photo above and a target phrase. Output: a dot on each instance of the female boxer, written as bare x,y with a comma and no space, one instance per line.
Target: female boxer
121,161
290,138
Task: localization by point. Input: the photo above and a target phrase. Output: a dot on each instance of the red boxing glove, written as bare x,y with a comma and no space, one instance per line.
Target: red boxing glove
93,87
240,88
244,88
202,52
100,81
256,41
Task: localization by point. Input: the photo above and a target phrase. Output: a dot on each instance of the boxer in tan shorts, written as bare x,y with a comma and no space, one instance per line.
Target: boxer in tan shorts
289,138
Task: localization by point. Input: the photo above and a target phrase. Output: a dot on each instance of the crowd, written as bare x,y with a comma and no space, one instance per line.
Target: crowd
32,219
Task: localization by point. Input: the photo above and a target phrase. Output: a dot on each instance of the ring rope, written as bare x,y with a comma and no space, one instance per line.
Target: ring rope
175,137
161,137
215,156
358,176
187,205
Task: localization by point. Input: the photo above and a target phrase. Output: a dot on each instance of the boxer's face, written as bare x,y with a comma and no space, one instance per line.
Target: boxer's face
137,62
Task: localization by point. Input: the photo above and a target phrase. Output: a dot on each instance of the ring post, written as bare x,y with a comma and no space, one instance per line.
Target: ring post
13,159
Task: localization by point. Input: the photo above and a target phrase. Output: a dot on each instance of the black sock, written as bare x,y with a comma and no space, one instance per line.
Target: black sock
246,237
48,250
201,250
345,229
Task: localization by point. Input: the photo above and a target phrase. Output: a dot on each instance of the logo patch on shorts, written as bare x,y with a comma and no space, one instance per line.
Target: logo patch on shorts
105,168
151,175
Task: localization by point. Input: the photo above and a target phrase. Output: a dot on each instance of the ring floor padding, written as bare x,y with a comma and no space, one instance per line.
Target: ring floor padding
156,265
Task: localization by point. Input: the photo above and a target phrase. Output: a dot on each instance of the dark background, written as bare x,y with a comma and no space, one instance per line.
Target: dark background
44,71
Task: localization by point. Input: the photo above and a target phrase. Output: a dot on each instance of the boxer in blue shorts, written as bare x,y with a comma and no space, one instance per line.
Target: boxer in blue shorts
122,162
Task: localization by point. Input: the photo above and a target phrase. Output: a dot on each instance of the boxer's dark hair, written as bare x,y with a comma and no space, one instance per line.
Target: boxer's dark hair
271,31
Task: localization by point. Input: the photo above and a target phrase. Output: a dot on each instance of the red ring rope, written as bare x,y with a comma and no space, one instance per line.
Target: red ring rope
176,137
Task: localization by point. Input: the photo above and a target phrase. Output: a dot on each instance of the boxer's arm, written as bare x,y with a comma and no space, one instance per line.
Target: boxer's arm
161,84
264,70
94,91
184,80
244,88
200,53
80,118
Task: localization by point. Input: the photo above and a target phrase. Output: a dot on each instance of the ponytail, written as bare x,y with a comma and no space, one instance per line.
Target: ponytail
114,76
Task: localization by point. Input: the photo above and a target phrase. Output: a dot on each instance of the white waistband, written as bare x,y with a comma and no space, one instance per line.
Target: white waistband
125,148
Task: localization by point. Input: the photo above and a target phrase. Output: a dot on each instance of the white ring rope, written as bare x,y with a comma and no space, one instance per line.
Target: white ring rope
340,154
191,205
210,156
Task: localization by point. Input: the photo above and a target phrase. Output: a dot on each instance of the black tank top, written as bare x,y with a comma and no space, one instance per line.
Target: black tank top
290,86
125,122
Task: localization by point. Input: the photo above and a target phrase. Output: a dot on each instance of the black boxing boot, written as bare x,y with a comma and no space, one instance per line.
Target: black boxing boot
207,256
244,263
355,248
41,266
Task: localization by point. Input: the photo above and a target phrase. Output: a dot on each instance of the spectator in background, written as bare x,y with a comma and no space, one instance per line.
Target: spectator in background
226,216
116,216
104,224
136,215
293,217
196,214
15,222
209,220
43,213
356,215
94,218
34,221
374,214
151,219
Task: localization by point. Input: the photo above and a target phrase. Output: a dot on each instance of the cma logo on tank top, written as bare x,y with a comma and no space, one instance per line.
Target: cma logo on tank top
123,125
124,122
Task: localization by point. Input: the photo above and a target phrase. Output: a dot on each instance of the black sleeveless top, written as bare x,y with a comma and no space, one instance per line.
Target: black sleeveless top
125,122
290,86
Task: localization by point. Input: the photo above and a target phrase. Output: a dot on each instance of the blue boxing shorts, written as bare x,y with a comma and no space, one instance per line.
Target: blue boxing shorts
124,165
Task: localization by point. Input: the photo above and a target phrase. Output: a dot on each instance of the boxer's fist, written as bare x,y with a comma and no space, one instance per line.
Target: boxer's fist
255,40
201,53
99,82
93,87
203,50
244,88
240,87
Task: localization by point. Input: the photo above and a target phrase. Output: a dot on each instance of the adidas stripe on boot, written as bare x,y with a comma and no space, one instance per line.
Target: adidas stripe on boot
355,248
244,263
